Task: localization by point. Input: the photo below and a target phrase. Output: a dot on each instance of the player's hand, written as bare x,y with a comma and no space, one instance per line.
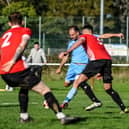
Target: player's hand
62,54
58,71
7,67
45,63
121,35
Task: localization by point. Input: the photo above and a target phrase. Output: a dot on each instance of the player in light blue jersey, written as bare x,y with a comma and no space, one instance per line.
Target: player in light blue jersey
79,60
116,98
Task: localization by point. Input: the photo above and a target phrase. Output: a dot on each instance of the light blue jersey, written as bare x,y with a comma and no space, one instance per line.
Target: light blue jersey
78,55
79,60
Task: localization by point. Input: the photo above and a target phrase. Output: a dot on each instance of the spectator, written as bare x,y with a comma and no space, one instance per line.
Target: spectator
37,58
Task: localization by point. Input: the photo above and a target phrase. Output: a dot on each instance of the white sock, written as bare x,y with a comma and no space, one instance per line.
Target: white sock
60,115
24,116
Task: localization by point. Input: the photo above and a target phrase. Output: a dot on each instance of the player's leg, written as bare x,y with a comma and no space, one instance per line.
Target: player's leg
30,81
107,79
88,73
67,98
73,90
70,77
52,102
115,96
42,89
49,97
67,83
23,100
92,81
87,89
70,95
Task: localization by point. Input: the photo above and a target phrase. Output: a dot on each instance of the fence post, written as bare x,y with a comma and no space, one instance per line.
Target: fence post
83,20
25,19
101,16
40,23
43,41
127,35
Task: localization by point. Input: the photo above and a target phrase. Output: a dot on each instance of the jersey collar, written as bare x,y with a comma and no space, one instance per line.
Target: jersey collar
15,26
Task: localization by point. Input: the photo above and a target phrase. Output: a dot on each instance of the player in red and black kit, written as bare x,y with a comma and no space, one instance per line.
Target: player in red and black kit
100,62
14,70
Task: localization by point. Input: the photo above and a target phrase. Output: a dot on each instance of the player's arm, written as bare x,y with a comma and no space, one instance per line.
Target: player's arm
75,45
109,35
63,61
29,59
19,52
43,56
21,48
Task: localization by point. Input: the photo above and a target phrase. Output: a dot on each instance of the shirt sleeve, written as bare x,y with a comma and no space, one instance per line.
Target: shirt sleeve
96,35
70,43
82,37
43,56
29,59
28,32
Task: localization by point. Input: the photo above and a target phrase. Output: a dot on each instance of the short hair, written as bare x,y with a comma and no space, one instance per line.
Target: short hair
15,18
88,26
75,28
36,43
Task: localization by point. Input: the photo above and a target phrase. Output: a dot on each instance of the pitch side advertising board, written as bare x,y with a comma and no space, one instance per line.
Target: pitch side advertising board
116,49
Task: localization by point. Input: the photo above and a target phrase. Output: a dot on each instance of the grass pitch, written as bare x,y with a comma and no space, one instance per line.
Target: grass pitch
106,117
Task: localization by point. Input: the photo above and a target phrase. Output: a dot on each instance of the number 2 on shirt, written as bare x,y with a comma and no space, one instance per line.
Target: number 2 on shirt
6,38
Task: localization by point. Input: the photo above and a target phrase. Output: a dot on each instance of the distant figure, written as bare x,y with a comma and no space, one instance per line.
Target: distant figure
37,55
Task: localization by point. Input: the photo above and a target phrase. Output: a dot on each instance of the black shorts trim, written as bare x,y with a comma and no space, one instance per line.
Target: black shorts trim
25,79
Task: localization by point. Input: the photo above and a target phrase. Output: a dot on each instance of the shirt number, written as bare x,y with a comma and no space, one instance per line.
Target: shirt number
6,38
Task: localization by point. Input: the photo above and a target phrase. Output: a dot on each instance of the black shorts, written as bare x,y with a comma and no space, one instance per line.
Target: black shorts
25,79
37,70
104,67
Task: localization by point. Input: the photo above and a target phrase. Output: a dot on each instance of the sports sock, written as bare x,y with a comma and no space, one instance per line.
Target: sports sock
115,96
52,102
70,95
23,100
87,89
24,116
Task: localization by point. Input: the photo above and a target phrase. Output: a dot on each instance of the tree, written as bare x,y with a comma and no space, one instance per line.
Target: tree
121,8
22,6
40,7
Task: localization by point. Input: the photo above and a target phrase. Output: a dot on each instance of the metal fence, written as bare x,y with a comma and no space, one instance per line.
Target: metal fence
52,33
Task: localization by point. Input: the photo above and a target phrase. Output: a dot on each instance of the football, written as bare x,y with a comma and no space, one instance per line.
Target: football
45,104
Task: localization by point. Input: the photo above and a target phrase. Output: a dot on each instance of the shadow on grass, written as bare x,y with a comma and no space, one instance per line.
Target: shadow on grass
110,106
59,89
105,117
14,104
9,105
73,121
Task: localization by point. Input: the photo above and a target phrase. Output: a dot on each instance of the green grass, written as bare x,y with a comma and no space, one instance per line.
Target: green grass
106,117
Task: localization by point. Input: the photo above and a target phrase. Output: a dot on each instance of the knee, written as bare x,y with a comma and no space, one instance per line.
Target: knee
66,84
82,84
107,86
